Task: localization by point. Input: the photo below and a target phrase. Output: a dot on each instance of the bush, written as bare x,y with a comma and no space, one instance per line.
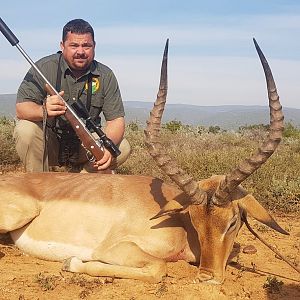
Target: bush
214,129
173,126
291,131
8,155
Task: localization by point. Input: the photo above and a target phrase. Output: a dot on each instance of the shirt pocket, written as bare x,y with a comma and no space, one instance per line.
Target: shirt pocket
97,102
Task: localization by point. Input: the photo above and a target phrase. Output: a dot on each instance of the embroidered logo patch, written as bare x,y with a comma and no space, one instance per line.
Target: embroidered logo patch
95,85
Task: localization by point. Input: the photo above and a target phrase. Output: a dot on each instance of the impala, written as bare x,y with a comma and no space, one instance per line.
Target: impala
129,226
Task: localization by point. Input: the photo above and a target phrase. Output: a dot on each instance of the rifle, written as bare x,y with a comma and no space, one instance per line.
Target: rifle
80,124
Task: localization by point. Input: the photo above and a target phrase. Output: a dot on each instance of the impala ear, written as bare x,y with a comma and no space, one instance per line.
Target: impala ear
258,212
171,208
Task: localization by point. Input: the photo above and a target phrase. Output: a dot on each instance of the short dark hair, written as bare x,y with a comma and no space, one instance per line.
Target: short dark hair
77,26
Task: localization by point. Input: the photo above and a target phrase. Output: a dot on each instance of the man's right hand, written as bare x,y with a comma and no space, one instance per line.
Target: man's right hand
55,106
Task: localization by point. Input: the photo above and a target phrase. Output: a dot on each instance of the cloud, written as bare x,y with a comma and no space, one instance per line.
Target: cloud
206,80
212,60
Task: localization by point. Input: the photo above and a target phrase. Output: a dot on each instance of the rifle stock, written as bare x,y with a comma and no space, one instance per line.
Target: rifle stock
88,141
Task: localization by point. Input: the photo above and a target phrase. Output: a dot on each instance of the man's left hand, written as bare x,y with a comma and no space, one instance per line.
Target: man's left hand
104,162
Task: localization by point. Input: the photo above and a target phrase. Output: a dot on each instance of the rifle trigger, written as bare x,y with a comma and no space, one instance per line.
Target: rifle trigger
90,156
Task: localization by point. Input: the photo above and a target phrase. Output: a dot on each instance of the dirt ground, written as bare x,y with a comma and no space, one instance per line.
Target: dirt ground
248,276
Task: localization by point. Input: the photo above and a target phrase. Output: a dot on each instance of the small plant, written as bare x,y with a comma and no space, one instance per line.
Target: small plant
47,282
273,285
161,290
87,284
290,131
253,127
173,126
133,126
214,129
262,228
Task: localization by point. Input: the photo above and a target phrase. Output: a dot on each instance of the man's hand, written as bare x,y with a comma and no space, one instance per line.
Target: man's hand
32,111
55,106
104,162
115,131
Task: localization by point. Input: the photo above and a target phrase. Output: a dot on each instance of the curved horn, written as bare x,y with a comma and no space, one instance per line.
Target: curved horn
249,166
156,150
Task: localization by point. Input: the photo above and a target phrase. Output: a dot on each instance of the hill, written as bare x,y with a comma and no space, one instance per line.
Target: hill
225,116
7,105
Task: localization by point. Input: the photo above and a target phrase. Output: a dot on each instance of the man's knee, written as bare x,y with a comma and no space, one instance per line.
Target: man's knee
26,132
29,145
125,149
125,152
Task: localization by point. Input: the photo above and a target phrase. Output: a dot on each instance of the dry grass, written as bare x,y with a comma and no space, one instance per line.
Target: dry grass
276,184
9,159
202,153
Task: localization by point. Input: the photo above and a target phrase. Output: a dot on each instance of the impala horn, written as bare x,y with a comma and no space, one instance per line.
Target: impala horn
249,166
156,150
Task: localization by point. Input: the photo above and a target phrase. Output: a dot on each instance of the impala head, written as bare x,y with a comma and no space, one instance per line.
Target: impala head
218,205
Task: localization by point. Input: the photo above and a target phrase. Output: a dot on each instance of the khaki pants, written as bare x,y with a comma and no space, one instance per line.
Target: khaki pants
30,147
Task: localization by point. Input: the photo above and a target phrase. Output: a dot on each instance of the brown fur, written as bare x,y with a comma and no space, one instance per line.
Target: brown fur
101,224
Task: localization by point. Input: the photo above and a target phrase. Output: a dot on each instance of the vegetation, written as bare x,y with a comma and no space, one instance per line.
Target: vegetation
202,152
8,155
47,282
173,126
273,285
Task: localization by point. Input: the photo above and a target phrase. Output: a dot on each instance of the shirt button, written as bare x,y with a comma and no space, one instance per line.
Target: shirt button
74,98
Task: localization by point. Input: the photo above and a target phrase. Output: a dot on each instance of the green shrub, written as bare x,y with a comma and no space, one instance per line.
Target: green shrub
290,131
173,126
214,129
273,285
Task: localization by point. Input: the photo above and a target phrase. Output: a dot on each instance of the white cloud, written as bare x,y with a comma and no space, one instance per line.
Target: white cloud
230,75
207,80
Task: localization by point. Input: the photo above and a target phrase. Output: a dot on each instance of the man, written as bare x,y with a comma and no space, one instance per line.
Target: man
78,77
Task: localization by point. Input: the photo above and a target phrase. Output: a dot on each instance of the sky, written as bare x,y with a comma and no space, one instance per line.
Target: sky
212,58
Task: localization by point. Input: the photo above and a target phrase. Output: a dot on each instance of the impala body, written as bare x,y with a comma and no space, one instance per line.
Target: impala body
56,216
130,226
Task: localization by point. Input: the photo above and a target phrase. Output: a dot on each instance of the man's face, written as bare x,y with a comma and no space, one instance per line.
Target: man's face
78,50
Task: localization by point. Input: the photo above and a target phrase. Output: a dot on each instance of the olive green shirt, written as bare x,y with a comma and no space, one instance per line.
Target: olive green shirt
106,96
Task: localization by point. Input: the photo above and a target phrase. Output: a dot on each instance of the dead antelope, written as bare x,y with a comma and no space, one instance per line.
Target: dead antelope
130,226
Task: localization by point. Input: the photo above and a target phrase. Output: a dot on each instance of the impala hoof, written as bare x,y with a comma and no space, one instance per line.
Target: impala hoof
205,276
71,264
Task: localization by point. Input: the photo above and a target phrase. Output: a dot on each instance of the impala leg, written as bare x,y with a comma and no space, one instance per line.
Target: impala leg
16,209
124,260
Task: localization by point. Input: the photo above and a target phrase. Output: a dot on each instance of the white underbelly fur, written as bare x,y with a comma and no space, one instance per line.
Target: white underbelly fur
49,250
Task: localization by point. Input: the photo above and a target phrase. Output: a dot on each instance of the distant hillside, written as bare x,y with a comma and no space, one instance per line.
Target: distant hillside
7,105
225,116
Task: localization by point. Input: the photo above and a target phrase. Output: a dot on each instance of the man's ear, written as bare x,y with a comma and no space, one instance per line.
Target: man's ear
172,207
258,212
